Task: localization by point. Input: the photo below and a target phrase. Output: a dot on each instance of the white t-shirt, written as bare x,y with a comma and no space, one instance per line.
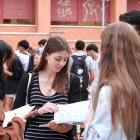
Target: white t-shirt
96,74
24,58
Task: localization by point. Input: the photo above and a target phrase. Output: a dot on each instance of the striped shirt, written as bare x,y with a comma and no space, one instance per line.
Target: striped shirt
33,131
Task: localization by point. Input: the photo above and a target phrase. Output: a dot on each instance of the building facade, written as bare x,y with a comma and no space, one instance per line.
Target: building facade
73,19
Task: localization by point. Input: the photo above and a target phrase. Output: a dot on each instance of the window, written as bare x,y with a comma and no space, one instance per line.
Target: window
79,12
17,11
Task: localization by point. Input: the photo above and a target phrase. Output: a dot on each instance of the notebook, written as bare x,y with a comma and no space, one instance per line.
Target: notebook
74,113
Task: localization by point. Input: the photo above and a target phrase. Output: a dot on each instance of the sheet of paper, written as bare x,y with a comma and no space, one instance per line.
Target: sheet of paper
72,113
22,111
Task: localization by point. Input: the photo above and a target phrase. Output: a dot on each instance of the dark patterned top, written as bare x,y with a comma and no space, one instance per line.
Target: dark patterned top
33,131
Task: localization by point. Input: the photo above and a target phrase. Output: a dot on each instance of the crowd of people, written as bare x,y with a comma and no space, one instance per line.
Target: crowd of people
107,75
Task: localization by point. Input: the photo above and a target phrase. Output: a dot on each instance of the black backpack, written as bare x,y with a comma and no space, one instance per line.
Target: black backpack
79,68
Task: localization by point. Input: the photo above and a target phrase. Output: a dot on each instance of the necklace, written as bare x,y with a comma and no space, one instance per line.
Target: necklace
49,92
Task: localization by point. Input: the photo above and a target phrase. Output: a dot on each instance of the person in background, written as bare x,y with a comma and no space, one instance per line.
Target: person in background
23,54
13,70
41,45
31,50
133,18
116,103
50,86
86,72
15,129
93,51
36,60
82,65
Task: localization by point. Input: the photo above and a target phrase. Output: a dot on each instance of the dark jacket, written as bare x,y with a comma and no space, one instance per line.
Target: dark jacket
12,82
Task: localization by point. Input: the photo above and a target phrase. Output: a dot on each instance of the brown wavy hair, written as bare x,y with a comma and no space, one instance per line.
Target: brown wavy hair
56,44
120,66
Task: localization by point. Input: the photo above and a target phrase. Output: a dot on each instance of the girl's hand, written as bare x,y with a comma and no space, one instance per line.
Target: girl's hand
5,68
82,136
21,117
24,117
61,128
48,107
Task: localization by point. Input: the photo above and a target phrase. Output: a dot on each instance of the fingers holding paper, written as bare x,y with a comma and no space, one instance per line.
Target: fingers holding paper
21,117
24,116
62,128
48,108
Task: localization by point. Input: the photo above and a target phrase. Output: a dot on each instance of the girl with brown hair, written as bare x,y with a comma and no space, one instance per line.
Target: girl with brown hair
49,87
116,103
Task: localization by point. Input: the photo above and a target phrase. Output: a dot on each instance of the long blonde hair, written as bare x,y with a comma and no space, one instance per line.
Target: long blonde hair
120,66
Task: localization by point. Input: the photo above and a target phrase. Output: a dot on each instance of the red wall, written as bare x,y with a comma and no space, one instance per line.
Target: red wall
43,28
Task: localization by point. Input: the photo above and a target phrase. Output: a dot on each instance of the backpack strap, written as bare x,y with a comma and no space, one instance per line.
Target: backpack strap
27,90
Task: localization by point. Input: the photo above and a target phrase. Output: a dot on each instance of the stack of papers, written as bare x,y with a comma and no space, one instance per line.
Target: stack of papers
22,111
72,113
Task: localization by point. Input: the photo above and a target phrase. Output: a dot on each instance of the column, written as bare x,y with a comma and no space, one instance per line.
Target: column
1,11
117,7
43,15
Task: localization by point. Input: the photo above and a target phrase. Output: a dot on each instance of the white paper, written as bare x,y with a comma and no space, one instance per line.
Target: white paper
72,113
22,111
